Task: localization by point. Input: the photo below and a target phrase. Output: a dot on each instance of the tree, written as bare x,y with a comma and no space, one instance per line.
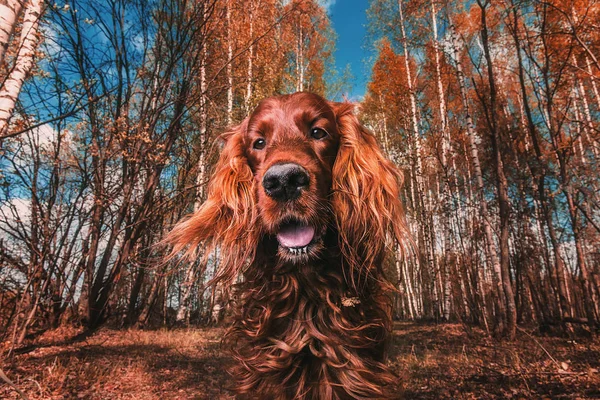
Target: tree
24,58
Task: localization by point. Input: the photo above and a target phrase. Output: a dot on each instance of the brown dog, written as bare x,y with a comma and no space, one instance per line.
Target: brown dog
302,204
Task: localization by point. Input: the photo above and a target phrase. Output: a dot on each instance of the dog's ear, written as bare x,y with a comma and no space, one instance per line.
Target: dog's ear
227,218
366,198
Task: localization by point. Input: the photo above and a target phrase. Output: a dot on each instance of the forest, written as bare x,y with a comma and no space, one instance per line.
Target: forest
110,113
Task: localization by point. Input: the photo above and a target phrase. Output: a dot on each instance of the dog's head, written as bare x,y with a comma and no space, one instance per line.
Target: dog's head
297,169
291,144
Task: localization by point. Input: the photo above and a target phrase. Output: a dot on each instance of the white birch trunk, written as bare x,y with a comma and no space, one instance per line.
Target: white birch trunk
589,125
413,103
203,118
23,64
249,72
188,284
593,79
10,10
577,125
300,62
409,291
229,66
447,232
386,143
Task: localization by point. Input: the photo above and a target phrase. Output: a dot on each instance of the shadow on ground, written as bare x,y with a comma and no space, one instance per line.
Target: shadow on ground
184,364
431,361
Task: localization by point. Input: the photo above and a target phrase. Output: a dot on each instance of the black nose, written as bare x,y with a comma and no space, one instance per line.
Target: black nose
284,182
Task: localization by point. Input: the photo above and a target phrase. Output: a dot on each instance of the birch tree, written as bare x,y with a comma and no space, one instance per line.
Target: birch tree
10,11
24,59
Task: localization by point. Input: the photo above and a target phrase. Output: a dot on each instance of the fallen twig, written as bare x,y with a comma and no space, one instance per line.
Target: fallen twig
11,383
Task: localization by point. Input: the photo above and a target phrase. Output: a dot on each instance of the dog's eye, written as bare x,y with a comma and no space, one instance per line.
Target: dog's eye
318,133
259,144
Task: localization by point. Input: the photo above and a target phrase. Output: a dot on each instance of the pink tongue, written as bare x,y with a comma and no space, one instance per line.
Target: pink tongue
294,235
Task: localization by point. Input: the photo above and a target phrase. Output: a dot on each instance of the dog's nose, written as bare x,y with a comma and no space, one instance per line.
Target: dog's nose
284,182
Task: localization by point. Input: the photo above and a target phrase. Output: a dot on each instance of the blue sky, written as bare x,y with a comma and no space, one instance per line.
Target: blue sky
349,21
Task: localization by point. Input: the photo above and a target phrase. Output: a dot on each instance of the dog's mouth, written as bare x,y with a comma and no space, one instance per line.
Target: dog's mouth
296,236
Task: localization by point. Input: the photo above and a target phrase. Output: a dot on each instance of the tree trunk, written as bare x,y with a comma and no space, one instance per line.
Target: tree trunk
23,62
150,299
134,295
249,71
445,194
229,65
10,11
593,80
300,60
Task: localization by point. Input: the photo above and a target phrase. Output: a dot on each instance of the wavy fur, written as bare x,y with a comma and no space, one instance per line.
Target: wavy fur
366,196
228,217
315,329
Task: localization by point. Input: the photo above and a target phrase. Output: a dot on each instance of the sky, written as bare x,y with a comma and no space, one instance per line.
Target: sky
349,21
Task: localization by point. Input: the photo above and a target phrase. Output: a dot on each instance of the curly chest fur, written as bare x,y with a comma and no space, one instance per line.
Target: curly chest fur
301,334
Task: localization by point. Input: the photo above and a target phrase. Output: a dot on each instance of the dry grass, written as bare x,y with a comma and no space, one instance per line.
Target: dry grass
432,362
127,364
443,361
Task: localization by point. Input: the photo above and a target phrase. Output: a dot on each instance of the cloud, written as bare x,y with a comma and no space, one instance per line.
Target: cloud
327,4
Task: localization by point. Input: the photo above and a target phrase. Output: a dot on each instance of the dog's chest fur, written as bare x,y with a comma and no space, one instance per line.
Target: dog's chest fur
302,329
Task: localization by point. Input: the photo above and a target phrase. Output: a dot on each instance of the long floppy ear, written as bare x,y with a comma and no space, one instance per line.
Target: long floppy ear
227,218
366,198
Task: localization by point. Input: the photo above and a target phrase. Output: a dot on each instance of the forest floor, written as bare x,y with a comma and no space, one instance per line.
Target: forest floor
441,361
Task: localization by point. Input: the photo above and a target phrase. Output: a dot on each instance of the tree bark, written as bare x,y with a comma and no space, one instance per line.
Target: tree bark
9,92
249,71
445,194
229,65
10,11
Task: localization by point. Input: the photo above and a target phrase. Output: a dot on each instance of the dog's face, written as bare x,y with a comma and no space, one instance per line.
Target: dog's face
291,143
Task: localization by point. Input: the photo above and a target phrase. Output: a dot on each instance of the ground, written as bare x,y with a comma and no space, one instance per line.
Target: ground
432,361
